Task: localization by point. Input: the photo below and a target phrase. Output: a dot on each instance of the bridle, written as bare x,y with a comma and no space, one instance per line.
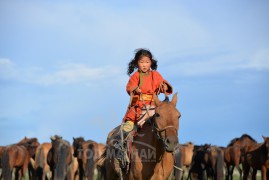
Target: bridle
152,120
158,131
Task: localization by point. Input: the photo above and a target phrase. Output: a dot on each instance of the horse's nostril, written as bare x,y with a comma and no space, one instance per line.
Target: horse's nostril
168,141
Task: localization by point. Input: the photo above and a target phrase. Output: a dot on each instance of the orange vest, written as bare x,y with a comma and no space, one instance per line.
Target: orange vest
149,84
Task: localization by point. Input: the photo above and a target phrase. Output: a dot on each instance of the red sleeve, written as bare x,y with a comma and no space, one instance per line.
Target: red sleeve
132,83
159,80
169,88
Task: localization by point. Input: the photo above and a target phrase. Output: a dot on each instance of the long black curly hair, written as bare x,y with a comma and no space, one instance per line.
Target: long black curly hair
139,53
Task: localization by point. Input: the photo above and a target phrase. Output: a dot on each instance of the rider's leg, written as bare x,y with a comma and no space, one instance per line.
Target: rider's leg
127,127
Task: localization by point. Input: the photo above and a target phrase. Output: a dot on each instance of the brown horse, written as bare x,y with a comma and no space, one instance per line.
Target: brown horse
1,152
257,157
87,152
232,158
152,147
207,163
73,169
244,142
199,162
18,156
41,166
59,157
215,162
183,159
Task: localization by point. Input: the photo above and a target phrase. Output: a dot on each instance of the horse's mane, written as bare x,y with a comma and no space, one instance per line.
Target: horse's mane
90,141
241,138
32,140
166,99
80,139
206,146
232,142
247,136
190,143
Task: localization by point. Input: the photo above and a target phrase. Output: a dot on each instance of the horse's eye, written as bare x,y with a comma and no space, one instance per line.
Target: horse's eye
157,115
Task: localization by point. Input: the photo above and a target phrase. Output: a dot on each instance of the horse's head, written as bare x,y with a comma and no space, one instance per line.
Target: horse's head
55,137
34,142
78,141
77,144
166,122
31,144
24,140
266,142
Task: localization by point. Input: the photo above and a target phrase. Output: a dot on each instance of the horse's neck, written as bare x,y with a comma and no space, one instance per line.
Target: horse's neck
148,136
151,154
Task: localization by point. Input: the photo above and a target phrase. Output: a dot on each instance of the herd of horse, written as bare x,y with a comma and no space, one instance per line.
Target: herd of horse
153,152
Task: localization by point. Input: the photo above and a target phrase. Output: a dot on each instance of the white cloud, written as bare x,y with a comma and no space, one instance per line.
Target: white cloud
61,75
168,30
76,73
7,69
259,61
108,27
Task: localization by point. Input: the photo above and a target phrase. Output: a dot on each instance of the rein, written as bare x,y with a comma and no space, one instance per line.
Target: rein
163,129
158,130
153,124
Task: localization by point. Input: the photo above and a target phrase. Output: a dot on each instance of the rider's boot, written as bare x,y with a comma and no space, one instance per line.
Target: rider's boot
122,155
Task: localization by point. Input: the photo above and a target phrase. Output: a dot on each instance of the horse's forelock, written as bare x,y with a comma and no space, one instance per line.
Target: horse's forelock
33,139
166,99
79,139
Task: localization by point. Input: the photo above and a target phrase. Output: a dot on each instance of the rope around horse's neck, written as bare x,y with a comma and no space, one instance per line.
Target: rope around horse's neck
178,168
158,92
144,104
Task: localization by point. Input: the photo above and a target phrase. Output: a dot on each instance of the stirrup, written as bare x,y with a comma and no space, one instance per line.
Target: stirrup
122,154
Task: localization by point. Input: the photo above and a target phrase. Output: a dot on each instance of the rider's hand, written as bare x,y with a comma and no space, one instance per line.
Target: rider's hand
165,88
138,90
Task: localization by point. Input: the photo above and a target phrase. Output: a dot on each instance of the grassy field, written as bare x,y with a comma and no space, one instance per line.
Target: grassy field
235,176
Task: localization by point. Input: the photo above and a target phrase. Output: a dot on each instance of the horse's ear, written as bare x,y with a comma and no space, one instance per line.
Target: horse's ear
52,138
174,99
264,138
156,100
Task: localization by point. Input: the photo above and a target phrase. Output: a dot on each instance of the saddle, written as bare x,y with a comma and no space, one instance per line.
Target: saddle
121,147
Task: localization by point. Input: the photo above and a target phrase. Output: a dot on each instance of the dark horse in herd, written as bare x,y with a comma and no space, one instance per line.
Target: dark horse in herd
87,153
59,157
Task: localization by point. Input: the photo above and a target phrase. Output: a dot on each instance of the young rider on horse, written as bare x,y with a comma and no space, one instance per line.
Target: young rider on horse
141,86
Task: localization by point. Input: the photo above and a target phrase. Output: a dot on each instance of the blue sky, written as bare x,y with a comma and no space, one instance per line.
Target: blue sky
63,66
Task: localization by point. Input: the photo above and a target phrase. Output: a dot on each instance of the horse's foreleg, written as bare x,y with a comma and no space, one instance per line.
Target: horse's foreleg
246,169
264,173
227,172
254,172
24,170
17,174
231,172
240,171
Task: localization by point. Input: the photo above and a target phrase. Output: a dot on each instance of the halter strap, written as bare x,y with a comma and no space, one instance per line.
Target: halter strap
150,109
163,129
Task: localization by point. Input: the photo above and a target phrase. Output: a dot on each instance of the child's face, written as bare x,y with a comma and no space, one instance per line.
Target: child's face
144,64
